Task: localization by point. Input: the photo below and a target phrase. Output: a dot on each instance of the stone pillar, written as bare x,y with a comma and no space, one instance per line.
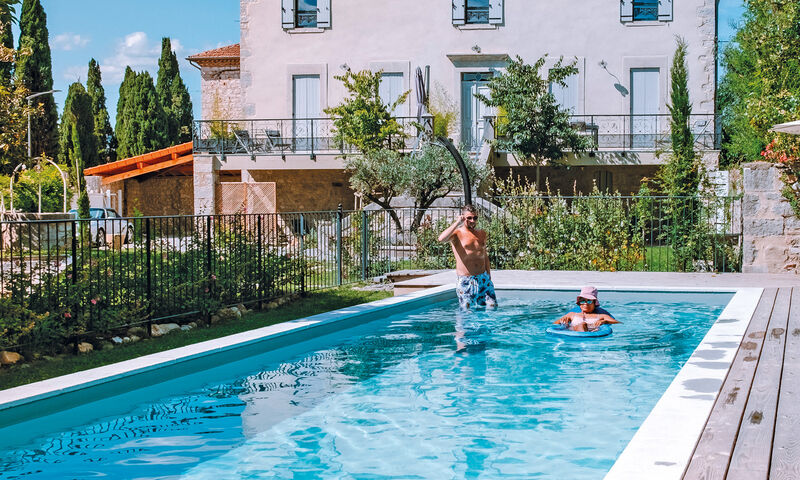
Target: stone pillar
770,230
205,184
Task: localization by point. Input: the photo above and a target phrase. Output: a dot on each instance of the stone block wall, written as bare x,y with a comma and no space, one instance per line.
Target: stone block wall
221,95
771,232
158,196
205,184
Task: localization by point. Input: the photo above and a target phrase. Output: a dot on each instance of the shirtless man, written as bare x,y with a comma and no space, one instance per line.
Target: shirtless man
475,287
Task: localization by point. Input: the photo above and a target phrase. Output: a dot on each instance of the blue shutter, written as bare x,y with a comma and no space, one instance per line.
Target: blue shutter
287,13
665,10
495,12
625,10
459,12
324,13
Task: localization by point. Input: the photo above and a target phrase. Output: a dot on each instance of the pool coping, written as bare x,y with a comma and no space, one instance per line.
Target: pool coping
662,446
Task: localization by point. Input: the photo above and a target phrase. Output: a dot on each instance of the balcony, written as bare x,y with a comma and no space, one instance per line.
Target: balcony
631,132
287,136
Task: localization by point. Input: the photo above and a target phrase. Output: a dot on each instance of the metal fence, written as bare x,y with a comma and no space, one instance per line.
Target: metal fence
633,132
88,276
287,136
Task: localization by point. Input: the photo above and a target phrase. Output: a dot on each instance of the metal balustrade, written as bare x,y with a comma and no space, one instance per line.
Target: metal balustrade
289,136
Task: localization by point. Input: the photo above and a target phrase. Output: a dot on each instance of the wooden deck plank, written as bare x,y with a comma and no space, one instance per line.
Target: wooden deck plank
712,453
753,451
786,445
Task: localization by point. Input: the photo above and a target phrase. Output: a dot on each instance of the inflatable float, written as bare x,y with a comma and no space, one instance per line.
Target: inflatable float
562,331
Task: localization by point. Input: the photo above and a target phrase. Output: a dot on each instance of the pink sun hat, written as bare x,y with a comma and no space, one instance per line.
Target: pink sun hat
589,293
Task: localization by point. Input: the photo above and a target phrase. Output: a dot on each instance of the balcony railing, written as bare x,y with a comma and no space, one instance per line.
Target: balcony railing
632,132
288,136
477,15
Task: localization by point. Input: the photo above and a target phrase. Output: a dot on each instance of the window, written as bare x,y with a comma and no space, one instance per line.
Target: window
306,14
645,10
477,11
567,95
390,90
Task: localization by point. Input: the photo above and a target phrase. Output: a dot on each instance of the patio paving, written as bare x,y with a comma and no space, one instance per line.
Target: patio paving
752,430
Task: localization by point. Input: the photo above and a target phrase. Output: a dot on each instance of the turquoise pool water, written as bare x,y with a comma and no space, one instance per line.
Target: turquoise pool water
393,398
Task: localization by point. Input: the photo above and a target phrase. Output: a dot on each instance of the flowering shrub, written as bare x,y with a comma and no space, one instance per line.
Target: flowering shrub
784,150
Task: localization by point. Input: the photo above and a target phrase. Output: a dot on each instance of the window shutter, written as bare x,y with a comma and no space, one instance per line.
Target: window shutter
495,12
287,13
324,13
459,12
625,10
665,10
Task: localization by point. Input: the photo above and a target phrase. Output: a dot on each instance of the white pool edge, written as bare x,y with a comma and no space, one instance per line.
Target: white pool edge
663,445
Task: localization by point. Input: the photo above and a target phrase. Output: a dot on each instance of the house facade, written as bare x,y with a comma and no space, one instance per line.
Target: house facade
291,50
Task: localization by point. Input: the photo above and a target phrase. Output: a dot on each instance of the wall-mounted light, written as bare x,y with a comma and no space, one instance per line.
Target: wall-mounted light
476,49
345,67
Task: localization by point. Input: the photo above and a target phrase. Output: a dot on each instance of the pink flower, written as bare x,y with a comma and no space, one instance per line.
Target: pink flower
213,277
67,315
94,302
206,289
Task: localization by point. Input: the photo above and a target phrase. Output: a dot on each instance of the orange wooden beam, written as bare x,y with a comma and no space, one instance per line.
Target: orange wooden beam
163,154
149,169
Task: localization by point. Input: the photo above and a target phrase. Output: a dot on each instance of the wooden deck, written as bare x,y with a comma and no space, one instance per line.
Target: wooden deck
753,432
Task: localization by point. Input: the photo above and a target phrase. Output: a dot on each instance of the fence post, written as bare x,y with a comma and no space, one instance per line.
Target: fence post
260,263
339,245
148,246
74,271
302,255
364,244
208,245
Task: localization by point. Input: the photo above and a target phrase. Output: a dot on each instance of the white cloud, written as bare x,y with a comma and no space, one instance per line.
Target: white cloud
137,51
69,41
75,73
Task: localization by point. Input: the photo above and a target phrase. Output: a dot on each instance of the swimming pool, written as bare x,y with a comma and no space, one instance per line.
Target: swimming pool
391,397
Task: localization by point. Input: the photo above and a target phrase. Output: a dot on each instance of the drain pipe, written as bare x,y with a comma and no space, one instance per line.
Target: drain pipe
462,167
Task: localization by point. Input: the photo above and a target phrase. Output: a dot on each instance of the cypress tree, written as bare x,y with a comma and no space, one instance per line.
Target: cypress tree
120,130
144,122
78,145
173,96
35,72
102,125
6,38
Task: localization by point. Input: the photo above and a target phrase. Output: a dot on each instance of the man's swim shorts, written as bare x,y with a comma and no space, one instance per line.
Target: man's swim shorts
476,291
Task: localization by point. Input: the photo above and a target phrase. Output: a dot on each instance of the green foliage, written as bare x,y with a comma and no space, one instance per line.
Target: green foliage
26,190
141,121
536,130
424,176
104,134
35,73
173,96
16,321
761,86
444,110
77,141
7,17
363,121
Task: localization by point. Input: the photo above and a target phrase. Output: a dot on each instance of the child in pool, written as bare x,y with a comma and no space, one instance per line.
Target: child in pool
588,315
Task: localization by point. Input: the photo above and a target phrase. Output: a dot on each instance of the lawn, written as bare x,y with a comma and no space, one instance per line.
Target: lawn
314,303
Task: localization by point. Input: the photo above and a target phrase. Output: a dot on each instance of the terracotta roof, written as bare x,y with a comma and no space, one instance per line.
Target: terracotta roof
166,158
229,51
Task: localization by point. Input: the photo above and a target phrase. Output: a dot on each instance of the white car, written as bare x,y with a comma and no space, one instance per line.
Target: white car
106,224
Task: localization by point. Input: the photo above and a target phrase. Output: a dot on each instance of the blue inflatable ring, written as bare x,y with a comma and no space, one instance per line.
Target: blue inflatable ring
563,331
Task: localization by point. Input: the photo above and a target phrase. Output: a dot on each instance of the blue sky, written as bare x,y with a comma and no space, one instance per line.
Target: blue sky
128,32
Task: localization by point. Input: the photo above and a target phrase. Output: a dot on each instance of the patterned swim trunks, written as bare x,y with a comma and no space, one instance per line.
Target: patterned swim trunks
476,291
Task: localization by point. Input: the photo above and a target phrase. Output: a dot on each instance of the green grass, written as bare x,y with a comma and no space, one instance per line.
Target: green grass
313,304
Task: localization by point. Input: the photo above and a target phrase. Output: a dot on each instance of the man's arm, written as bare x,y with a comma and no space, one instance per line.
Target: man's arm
447,235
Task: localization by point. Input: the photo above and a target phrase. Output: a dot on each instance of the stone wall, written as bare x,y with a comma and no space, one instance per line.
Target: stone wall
308,190
205,184
625,179
157,196
221,93
771,232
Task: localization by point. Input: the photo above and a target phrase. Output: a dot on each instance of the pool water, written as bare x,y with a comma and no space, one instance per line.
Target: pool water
394,398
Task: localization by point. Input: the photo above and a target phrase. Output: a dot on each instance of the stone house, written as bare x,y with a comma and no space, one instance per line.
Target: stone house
263,130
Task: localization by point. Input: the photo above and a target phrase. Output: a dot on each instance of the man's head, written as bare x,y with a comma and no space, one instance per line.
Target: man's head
587,299
470,216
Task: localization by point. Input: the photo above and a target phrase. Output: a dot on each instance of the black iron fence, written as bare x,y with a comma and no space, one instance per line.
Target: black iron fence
67,279
287,136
